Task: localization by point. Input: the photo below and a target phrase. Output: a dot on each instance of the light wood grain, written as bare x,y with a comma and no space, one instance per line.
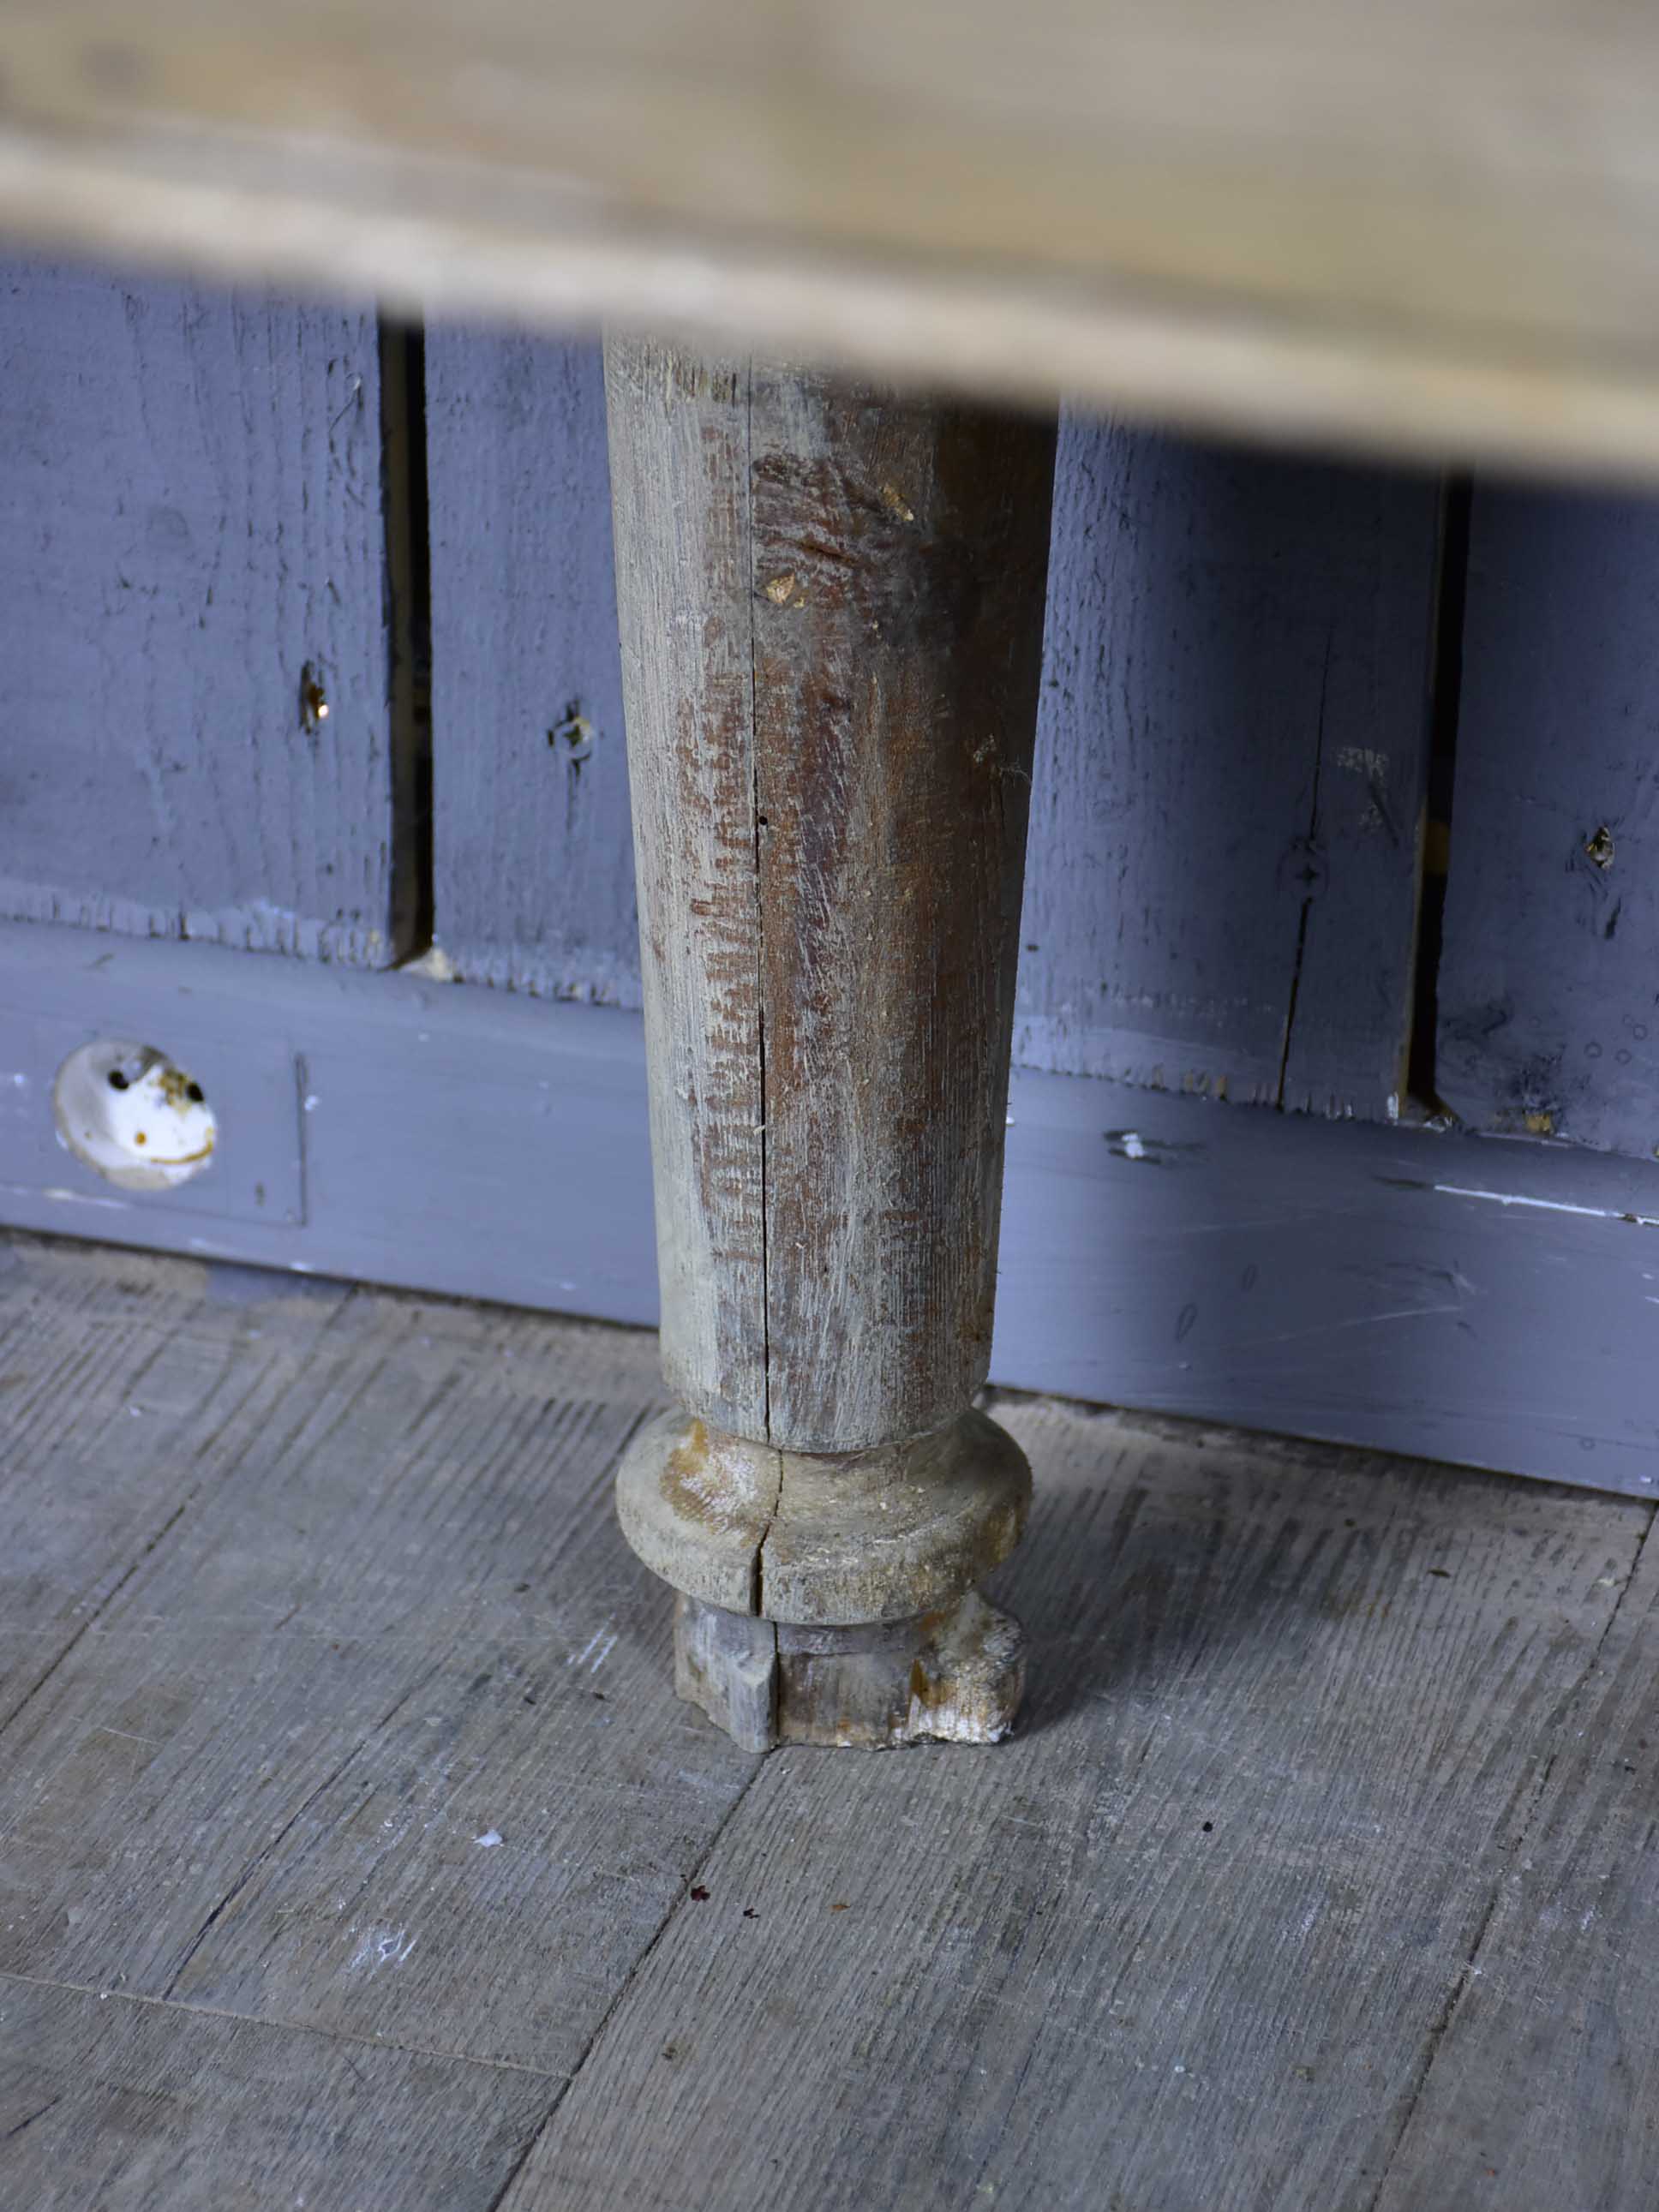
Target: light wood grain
1185,1941
195,649
1435,229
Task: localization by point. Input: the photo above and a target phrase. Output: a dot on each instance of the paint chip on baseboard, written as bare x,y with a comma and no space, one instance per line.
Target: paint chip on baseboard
1548,1204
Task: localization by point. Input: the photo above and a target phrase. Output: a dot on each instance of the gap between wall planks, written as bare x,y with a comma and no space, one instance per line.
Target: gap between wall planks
194,565
1549,981
1233,742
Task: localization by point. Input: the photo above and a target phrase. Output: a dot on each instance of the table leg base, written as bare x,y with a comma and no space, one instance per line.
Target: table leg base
953,1676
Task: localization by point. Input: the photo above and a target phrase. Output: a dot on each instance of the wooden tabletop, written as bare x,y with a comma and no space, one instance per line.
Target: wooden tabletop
1428,227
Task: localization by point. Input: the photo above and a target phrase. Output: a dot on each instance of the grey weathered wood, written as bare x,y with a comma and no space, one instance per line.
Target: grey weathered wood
898,558
532,855
1188,1940
1221,890
122,1408
1540,2091
830,606
1320,1875
1469,1298
193,565
1548,998
831,764
404,1621
142,2107
1266,216
679,445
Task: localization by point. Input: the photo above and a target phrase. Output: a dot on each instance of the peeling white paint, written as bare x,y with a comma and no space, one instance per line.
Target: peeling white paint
382,1947
1362,760
1548,1204
435,964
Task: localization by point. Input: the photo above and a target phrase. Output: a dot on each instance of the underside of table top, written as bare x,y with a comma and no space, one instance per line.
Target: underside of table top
1433,229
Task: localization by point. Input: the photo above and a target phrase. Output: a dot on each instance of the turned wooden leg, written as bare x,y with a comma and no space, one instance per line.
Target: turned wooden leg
831,608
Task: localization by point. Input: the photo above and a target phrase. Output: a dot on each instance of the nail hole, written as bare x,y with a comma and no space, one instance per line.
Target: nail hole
574,736
313,697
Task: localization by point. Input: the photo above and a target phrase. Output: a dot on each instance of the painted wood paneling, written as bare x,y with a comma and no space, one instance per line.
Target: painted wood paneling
1463,1297
1230,765
193,566
1221,888
1549,979
532,854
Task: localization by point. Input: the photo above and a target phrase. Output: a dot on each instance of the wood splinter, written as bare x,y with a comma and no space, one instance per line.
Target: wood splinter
832,607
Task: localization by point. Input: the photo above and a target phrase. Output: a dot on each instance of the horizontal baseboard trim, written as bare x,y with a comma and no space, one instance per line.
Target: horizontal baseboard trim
1477,1299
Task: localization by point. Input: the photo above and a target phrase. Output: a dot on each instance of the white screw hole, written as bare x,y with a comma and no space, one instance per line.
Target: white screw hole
126,1110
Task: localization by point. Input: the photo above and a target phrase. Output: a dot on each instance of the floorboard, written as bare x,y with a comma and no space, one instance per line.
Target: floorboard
353,1848
1182,1946
126,1391
109,2101
1542,2089
404,1623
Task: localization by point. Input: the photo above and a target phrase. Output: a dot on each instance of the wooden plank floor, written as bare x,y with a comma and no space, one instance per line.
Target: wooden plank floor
354,1853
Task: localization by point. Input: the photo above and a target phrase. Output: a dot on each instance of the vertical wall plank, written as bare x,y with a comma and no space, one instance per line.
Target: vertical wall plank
193,537
1221,884
1221,891
533,861
1549,980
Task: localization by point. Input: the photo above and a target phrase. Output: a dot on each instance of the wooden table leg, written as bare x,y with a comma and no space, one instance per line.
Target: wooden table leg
831,608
